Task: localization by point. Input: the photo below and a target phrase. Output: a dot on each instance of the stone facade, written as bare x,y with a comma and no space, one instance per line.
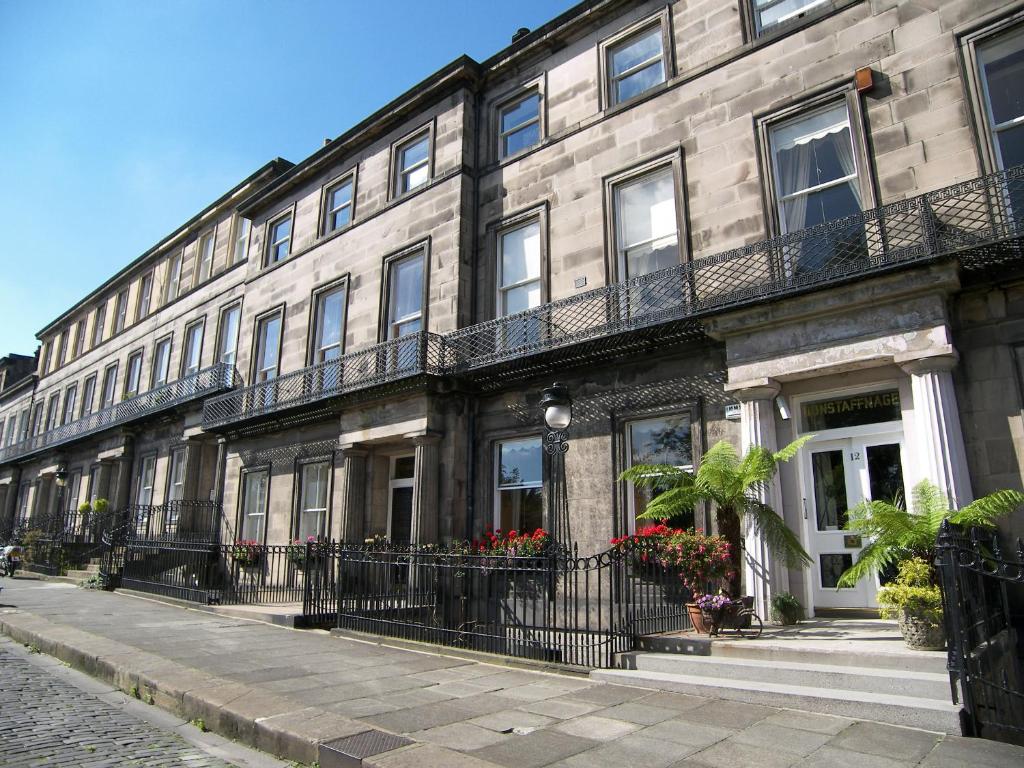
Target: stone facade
415,456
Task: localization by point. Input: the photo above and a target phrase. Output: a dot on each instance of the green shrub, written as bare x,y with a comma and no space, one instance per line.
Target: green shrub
786,609
913,592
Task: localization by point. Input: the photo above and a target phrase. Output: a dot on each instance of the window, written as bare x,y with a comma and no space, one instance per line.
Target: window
329,325
313,501
38,425
338,204
133,373
191,355
70,401
173,282
519,269
23,424
519,485
121,311
268,345
227,339
412,168
254,504
280,240
109,385
94,483
88,395
519,124
51,411
62,347
9,437
1001,68
147,475
816,178
662,440
771,13
646,224
79,338
205,257
400,500
44,359
405,300
97,324
636,62
161,363
176,476
72,490
145,297
240,247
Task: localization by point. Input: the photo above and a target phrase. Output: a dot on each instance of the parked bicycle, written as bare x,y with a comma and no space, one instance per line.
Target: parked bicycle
10,559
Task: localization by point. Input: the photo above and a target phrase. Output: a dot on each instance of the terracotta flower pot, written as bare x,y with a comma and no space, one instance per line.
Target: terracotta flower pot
697,618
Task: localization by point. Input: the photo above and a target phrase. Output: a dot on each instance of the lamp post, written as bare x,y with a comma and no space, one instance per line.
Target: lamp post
61,476
557,406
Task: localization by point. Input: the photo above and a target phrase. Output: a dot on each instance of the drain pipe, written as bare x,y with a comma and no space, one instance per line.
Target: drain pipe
474,252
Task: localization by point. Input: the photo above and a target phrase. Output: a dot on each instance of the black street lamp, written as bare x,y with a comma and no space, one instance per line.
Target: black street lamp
557,407
61,476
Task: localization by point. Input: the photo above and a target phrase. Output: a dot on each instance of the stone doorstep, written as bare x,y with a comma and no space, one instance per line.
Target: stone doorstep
259,719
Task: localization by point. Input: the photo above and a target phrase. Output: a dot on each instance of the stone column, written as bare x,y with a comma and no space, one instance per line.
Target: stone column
938,439
218,473
123,488
353,494
10,508
425,490
763,575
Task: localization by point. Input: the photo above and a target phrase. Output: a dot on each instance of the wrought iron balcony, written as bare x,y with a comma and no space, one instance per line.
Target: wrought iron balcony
978,220
381,364
199,384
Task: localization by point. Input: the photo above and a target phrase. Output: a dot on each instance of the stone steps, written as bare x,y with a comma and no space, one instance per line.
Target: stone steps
909,689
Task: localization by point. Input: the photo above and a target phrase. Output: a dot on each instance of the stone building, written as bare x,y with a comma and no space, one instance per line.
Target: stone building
730,219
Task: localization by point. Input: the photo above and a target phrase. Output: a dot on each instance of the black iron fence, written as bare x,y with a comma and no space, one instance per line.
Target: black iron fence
985,637
224,574
391,361
207,381
558,607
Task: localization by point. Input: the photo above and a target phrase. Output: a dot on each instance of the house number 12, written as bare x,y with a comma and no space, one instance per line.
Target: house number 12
854,455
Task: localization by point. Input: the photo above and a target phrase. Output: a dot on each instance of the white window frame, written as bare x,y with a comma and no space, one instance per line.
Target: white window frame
286,241
262,374
509,106
659,24
622,249
398,482
304,510
121,311
319,351
222,334
348,180
176,476
79,338
401,171
109,386
161,370
133,370
99,320
172,285
145,297
147,480
393,322
497,487
194,333
70,403
240,240
204,257
88,395
502,288
260,516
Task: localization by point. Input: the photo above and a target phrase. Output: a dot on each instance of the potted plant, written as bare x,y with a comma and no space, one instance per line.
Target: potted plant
247,553
896,534
786,609
296,552
711,608
916,604
732,484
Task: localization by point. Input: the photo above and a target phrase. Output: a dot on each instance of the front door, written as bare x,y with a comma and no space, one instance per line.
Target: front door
839,474
403,478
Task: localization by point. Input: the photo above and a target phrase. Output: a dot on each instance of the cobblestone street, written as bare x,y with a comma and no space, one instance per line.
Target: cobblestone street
47,720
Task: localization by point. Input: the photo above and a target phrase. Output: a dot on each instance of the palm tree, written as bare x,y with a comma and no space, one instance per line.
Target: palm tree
896,534
734,485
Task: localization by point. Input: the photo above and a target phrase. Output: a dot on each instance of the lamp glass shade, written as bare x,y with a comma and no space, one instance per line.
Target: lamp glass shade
558,416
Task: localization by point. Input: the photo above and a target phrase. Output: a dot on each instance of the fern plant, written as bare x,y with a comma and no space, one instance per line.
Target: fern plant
733,484
895,533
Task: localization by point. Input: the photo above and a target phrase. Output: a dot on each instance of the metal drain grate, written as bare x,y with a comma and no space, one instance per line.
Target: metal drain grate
350,751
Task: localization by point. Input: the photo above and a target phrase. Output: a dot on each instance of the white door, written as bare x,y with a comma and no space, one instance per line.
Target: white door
838,474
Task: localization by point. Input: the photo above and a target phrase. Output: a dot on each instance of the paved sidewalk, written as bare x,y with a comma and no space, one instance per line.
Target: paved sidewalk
284,690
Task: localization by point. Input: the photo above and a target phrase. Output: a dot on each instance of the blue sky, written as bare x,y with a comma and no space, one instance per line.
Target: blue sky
120,120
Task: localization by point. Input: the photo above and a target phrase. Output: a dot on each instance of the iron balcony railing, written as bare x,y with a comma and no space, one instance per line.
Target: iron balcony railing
205,382
391,361
975,218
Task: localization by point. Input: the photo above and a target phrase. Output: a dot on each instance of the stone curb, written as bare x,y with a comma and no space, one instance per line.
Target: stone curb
266,721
